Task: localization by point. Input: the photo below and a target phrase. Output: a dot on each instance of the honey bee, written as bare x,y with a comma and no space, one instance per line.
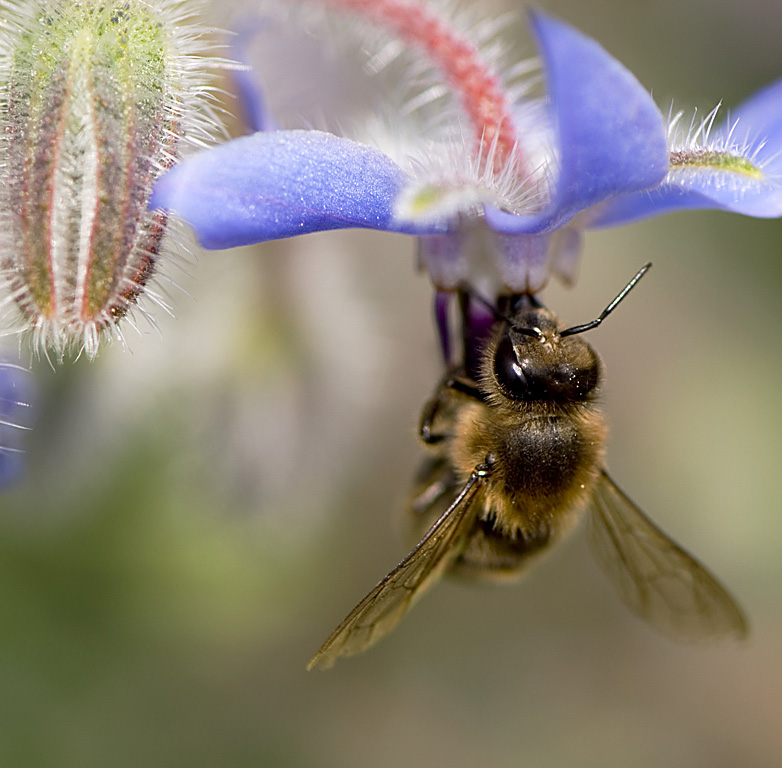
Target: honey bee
517,443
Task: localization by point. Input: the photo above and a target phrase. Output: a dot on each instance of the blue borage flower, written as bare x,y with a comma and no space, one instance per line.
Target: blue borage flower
599,156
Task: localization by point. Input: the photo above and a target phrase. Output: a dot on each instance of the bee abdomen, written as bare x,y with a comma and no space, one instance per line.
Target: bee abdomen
491,555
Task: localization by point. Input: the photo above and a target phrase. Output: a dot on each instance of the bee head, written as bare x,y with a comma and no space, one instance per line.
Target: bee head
531,359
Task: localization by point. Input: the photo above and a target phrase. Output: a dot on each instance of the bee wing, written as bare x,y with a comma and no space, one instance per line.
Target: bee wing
654,575
380,611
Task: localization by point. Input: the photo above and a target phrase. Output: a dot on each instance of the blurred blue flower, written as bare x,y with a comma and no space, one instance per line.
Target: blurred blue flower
15,398
601,155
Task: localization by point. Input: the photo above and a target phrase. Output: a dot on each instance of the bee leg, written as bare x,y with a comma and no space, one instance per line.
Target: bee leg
465,388
429,414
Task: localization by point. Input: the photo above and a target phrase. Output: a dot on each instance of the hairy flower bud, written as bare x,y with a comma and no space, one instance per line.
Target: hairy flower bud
96,97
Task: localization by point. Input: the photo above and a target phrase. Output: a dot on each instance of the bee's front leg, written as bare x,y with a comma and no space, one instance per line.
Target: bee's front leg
441,400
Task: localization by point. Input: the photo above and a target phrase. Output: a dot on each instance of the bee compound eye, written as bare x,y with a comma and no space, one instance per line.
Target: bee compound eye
509,372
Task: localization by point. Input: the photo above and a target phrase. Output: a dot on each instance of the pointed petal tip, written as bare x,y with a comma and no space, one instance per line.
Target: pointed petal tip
611,135
738,169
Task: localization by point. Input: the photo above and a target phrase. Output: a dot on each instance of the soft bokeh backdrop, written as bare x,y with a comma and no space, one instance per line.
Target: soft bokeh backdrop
201,511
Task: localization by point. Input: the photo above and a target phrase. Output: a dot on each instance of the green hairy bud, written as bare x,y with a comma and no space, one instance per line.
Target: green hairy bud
97,96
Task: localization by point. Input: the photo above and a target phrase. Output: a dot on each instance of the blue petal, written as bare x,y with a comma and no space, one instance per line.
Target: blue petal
250,95
694,189
273,185
612,136
757,127
759,121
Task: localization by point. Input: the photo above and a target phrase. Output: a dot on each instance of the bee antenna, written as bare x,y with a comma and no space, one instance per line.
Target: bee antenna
610,308
500,315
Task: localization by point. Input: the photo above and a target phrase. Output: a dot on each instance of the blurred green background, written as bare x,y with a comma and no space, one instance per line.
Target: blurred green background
200,512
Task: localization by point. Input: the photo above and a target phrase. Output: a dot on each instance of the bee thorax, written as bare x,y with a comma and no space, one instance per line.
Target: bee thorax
543,463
